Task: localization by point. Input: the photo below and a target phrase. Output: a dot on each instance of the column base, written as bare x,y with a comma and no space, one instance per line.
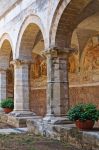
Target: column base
56,119
22,114
19,118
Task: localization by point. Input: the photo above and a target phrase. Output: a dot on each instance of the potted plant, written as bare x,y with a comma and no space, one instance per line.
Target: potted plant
84,115
7,105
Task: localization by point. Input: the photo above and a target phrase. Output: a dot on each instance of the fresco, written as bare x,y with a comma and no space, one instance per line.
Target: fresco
85,69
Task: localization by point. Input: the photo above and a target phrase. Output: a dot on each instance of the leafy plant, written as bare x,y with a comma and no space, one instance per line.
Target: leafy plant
83,112
7,103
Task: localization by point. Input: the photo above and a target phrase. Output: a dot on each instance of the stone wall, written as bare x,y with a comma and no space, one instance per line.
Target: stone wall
84,73
84,94
38,80
38,101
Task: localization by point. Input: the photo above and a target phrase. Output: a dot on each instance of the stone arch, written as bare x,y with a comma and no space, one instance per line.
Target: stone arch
6,55
6,51
63,23
31,42
55,20
31,23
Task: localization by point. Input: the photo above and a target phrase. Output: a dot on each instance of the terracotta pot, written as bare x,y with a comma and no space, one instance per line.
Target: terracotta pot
7,110
87,124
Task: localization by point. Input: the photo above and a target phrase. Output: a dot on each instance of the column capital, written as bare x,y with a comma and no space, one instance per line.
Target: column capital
56,51
19,62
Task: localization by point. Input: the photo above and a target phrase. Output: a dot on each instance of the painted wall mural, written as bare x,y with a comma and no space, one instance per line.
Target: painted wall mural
10,82
38,72
38,77
84,76
85,69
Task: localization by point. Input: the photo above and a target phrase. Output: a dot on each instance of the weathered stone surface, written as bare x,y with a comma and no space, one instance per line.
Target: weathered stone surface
16,121
3,117
21,86
57,79
85,140
22,113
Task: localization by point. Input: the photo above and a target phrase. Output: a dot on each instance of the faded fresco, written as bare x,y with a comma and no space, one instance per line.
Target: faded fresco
84,68
84,73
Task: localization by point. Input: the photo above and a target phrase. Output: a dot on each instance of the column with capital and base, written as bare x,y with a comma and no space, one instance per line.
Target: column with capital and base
21,89
57,85
2,85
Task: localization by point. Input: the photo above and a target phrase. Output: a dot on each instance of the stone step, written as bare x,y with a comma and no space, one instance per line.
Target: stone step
18,122
13,130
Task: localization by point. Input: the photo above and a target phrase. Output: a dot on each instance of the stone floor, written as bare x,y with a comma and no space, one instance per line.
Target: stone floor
70,138
19,139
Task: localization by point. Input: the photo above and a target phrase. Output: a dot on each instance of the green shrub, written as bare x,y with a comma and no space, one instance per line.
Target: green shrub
83,112
7,103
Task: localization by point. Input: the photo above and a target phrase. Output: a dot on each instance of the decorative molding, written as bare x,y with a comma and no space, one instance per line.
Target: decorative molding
84,85
55,51
20,62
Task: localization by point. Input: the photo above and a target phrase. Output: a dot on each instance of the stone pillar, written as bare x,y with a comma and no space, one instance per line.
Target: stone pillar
2,84
21,88
57,82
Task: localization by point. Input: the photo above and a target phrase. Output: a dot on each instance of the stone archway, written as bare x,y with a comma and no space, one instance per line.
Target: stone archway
68,16
6,70
85,88
63,23
31,20
30,46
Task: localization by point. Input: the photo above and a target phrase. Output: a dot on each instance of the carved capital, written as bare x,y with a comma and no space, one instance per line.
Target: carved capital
56,51
18,62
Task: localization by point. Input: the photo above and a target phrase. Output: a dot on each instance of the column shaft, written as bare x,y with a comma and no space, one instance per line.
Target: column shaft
21,87
57,83
2,84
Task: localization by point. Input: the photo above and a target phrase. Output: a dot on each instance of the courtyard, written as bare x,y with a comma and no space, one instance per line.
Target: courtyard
49,62
28,141
31,142
12,138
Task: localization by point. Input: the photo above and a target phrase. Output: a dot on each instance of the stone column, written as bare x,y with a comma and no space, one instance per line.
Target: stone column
21,88
57,82
2,85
